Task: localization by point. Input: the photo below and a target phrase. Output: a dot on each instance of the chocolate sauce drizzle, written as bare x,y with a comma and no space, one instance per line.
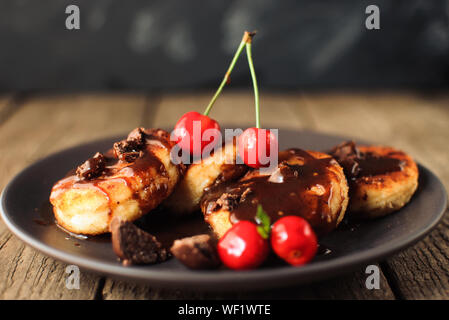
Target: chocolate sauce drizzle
140,171
357,164
301,186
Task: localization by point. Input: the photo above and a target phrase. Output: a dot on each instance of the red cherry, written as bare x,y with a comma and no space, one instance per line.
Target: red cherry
251,151
190,139
242,247
293,239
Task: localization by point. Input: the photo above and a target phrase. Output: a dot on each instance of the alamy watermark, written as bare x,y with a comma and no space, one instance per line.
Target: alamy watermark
373,279
372,22
215,142
72,22
72,282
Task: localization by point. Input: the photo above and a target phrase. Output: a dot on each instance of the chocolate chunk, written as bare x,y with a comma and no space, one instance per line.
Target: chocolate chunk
197,252
138,135
348,155
227,201
132,148
135,246
92,168
129,150
345,150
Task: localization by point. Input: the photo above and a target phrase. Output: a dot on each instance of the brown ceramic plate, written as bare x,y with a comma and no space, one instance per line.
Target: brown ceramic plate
27,212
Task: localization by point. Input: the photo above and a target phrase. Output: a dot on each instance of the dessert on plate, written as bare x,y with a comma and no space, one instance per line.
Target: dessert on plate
251,206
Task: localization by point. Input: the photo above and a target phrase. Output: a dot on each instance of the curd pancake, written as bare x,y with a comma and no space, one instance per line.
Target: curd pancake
381,179
126,182
309,184
219,168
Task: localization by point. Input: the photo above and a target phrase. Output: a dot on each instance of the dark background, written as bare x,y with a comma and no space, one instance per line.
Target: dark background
164,44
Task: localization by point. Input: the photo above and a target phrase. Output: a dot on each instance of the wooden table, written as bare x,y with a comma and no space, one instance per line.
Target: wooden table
33,126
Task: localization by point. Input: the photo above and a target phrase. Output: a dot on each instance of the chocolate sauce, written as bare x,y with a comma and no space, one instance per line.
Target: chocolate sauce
74,235
370,165
42,222
301,186
141,171
358,164
45,215
168,227
165,225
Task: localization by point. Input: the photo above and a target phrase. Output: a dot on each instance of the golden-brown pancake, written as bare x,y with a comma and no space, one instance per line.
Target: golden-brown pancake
381,179
127,182
309,184
219,168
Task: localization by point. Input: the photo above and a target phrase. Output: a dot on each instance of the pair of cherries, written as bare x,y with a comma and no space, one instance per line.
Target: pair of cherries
254,144
251,148
246,245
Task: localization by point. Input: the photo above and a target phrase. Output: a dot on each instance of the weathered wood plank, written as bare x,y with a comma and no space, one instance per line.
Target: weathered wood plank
418,125
346,287
236,108
41,126
421,272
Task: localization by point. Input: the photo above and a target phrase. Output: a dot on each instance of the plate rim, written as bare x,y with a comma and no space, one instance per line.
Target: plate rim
225,279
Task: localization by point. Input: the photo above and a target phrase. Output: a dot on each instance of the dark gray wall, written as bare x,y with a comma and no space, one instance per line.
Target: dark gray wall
164,44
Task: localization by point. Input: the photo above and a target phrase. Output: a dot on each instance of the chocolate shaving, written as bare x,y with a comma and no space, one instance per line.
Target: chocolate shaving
245,193
197,252
230,200
135,246
92,168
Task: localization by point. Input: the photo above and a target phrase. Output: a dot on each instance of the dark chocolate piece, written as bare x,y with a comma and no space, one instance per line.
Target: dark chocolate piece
348,156
135,246
131,149
128,150
228,201
197,252
138,135
92,168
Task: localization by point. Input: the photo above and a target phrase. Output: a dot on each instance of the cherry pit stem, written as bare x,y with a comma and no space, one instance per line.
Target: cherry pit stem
247,36
253,76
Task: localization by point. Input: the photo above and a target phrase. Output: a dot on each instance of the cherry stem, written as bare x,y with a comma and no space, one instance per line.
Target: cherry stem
256,89
247,36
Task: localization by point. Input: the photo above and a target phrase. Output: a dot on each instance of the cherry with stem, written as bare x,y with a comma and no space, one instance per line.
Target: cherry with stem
254,79
247,36
251,148
185,136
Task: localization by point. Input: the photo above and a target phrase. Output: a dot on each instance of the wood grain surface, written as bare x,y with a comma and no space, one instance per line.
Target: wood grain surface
33,126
